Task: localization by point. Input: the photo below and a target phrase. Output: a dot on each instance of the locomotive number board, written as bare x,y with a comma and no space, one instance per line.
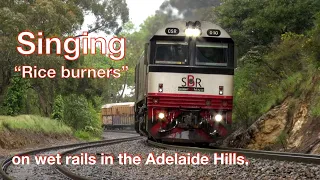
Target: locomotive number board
198,89
213,32
173,31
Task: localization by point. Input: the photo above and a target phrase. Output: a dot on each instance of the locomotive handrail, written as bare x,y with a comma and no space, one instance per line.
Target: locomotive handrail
194,109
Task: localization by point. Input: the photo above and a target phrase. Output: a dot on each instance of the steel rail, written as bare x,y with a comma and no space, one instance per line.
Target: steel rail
65,171
7,162
122,131
280,156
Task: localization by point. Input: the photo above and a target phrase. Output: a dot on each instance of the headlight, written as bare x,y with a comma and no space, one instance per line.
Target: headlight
193,32
161,115
218,117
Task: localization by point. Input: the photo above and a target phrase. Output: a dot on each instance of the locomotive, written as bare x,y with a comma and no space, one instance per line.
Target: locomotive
184,84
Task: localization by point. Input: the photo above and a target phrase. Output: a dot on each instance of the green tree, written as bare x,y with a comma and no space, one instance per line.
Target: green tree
55,18
77,112
260,22
15,96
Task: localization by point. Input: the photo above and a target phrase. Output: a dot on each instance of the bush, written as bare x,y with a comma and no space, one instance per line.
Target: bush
282,139
15,95
267,76
81,115
97,132
85,135
57,110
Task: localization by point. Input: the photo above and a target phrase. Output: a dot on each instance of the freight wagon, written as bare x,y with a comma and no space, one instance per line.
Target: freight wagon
118,116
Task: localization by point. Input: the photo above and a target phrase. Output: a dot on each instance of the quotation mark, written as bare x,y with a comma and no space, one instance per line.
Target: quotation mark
125,68
17,69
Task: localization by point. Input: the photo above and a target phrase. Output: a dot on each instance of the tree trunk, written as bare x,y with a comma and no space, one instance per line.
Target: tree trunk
42,100
124,86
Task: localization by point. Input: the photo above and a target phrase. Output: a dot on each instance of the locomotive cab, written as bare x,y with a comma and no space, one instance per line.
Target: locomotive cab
184,83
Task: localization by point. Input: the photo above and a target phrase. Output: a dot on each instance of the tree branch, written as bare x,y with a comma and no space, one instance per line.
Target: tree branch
90,31
117,32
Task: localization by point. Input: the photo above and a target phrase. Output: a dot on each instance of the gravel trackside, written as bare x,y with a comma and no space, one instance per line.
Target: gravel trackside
257,169
48,172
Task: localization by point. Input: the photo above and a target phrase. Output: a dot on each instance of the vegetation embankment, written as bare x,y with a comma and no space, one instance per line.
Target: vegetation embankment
277,81
34,124
30,131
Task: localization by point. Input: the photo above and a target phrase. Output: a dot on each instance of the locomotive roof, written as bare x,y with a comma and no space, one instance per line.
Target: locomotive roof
118,104
181,25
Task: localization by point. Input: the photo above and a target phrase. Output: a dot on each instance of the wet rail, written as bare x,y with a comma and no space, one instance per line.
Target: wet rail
74,147
280,156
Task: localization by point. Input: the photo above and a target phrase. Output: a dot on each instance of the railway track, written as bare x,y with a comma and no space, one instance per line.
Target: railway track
74,147
122,131
279,156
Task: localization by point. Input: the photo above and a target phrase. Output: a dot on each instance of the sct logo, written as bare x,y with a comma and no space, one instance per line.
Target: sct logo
190,81
191,84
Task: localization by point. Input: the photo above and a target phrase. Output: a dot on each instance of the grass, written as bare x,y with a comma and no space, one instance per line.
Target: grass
85,135
34,123
40,124
315,107
277,93
315,111
255,105
282,139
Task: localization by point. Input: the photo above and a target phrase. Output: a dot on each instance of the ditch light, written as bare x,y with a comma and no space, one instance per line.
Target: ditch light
220,90
160,89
